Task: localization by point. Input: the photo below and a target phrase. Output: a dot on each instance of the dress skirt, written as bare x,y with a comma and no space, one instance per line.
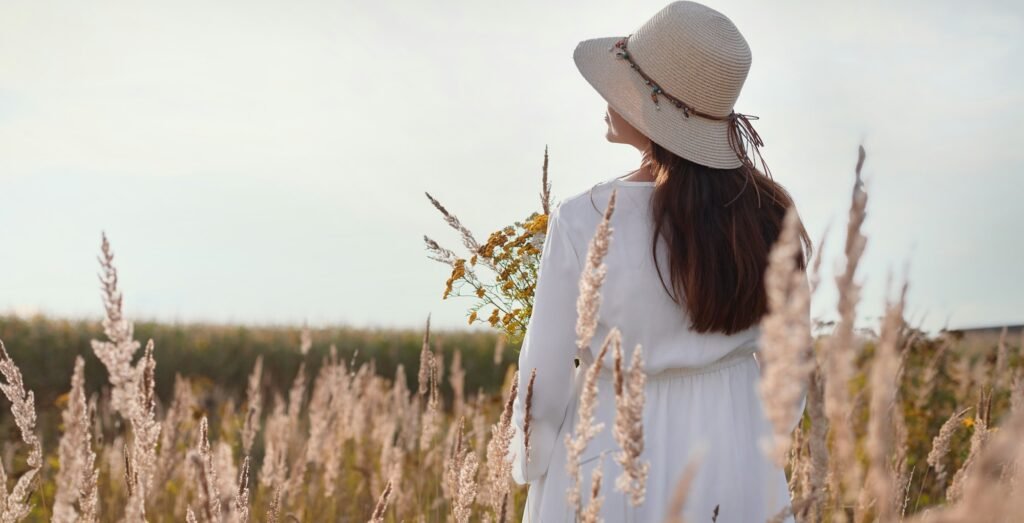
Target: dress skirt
713,413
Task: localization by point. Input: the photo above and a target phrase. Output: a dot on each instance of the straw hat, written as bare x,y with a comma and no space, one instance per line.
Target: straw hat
676,79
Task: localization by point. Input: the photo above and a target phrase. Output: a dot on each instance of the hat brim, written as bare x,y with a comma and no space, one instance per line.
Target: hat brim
700,140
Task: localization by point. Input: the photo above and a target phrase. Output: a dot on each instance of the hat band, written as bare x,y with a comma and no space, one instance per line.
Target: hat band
742,135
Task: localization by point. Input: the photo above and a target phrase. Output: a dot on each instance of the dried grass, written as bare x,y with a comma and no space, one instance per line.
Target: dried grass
369,446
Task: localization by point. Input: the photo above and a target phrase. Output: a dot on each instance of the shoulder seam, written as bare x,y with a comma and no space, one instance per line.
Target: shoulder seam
562,229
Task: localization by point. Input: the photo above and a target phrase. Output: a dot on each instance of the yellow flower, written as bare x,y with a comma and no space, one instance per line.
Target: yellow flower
513,253
538,224
460,269
968,422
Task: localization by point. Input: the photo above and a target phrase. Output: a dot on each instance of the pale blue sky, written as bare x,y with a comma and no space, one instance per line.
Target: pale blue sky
265,161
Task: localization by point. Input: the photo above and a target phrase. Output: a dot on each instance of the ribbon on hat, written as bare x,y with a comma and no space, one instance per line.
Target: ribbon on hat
743,138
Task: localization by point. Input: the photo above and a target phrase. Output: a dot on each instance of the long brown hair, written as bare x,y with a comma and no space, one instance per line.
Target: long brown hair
719,226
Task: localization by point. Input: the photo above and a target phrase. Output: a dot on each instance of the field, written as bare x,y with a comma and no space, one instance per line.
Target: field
205,370
109,420
45,350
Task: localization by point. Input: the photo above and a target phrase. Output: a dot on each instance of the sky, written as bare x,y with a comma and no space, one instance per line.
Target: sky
266,161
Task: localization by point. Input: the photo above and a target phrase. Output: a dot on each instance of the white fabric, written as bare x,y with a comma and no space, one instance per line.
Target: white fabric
701,391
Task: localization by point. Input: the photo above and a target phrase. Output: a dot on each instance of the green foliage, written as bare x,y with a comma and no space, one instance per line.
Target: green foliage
45,349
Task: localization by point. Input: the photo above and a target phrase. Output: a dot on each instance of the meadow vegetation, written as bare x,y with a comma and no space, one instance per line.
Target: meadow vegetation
221,423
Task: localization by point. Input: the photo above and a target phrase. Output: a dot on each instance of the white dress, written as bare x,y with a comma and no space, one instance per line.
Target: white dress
701,389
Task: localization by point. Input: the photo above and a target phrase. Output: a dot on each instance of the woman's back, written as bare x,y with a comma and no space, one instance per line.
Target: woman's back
633,298
700,395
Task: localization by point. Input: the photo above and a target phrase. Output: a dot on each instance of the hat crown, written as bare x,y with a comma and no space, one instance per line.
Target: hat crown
695,54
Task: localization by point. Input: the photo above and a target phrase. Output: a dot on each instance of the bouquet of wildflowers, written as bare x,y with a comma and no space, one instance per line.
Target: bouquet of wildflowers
512,254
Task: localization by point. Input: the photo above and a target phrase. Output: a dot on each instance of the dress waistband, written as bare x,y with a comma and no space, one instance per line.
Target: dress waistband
739,355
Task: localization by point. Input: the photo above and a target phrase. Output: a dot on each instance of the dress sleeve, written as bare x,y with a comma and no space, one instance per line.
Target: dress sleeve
549,345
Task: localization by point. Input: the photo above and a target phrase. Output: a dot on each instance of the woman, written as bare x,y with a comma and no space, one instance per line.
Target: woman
692,229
